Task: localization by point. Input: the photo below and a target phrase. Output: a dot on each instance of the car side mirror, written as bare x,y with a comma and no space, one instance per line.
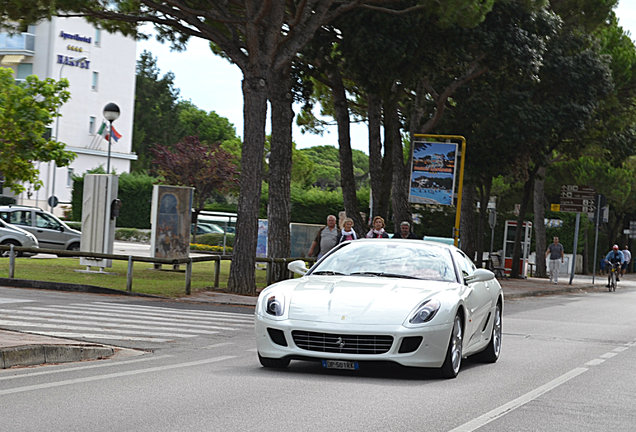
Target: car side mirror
480,275
298,267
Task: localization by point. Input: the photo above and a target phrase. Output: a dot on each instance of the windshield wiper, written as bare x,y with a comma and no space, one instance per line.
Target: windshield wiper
328,272
382,274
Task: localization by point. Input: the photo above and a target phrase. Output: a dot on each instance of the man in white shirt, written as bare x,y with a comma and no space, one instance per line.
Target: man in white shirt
627,257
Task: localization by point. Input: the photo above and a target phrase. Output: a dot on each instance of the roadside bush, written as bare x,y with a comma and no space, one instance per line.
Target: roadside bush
135,192
208,248
215,240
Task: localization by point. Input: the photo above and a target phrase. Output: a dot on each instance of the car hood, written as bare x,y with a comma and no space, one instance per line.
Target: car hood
358,299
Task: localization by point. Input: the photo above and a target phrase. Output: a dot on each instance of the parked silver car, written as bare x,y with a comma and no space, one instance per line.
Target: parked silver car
51,232
12,235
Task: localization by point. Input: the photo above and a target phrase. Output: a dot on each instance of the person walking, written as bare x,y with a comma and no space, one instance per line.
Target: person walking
377,230
326,238
627,257
555,251
405,231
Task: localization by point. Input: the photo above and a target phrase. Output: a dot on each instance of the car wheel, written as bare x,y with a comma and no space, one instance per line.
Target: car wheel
10,242
491,353
267,362
453,361
74,247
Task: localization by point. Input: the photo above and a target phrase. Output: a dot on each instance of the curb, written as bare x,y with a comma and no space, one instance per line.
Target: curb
32,355
543,293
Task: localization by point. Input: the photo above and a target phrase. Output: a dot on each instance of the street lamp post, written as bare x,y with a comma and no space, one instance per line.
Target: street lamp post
52,198
111,113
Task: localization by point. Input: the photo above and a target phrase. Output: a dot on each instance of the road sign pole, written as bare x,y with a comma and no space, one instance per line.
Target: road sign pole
597,220
576,238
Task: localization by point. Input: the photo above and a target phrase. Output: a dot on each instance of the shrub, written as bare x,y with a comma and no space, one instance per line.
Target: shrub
215,239
209,248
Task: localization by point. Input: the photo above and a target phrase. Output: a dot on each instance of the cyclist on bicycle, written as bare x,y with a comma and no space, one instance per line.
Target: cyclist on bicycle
614,258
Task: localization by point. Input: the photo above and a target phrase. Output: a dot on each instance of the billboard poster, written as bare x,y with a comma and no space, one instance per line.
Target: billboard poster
433,173
171,217
261,239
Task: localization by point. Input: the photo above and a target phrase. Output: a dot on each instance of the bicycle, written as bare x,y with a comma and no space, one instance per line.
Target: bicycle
612,277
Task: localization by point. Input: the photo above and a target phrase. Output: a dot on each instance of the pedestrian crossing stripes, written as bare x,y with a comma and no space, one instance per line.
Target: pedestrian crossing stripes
120,321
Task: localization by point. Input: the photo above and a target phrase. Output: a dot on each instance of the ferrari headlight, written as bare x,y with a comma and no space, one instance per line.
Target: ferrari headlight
425,312
275,305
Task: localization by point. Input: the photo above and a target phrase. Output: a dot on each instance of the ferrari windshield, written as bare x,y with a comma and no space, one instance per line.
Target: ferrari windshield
386,258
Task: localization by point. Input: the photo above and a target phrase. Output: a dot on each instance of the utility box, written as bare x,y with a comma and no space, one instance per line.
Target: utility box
171,218
100,208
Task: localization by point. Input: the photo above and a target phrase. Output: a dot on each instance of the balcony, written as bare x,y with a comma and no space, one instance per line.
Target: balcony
17,44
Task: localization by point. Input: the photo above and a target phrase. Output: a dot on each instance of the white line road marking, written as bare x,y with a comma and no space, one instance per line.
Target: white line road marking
4,300
620,349
106,323
595,362
608,355
194,312
112,375
80,328
109,318
91,366
158,316
516,403
104,336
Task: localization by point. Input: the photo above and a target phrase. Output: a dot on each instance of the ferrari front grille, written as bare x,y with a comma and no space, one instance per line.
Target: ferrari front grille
342,343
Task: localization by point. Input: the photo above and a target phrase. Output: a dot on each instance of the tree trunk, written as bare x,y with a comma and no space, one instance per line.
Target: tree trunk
399,186
467,222
387,168
482,221
516,250
241,279
539,223
375,152
347,179
280,164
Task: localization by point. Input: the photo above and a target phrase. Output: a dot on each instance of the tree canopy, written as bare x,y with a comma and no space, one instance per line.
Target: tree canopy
27,110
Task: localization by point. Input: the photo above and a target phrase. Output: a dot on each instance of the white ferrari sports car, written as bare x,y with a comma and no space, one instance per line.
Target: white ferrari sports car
412,302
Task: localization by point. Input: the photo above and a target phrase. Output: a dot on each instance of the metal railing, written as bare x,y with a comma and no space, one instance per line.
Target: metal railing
14,250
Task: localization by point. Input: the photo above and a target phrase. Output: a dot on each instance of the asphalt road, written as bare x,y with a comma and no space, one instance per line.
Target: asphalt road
566,365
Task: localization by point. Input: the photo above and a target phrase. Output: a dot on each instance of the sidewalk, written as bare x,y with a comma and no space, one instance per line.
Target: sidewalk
24,349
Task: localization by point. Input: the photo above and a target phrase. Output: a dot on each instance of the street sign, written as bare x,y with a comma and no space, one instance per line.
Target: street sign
632,229
578,199
53,201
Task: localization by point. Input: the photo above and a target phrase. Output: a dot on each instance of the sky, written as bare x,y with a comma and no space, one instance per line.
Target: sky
214,84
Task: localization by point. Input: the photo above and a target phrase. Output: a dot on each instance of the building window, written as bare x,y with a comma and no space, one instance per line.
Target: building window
69,179
98,37
91,125
95,81
24,70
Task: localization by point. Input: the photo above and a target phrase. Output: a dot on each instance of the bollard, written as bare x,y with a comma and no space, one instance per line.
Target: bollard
188,276
11,262
129,274
217,272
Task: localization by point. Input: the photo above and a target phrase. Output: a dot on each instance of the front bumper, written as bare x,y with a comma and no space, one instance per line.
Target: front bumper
278,341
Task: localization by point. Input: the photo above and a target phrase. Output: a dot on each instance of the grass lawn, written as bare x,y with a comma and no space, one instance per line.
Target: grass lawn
147,280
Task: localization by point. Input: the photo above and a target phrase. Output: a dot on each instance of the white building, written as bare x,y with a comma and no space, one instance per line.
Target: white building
100,68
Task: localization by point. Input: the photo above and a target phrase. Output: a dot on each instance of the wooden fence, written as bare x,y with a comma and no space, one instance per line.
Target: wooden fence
209,256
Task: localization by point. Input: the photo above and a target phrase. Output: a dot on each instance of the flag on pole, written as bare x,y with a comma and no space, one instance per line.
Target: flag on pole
116,135
102,129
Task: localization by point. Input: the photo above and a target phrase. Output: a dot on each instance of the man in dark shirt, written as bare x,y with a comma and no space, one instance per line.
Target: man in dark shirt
405,231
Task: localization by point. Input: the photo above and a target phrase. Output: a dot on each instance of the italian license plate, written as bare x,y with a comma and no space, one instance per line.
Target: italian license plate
340,364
